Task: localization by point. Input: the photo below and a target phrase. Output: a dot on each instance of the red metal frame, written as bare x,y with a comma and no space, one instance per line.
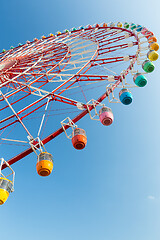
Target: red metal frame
62,53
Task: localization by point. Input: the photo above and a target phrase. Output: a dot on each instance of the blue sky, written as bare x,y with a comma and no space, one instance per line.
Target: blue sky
110,190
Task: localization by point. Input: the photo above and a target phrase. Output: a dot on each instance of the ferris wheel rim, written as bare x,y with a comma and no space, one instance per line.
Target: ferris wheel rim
82,114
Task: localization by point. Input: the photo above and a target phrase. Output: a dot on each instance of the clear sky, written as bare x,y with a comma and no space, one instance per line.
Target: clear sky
110,190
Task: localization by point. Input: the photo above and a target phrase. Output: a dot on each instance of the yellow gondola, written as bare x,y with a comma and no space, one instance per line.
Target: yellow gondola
6,184
152,55
6,187
119,24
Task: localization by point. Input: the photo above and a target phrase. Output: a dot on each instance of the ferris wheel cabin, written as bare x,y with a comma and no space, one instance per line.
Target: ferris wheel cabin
140,80
152,55
154,46
44,164
79,138
152,39
5,189
125,96
148,66
106,116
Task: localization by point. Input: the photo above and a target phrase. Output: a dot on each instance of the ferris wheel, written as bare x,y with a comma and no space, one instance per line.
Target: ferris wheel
57,80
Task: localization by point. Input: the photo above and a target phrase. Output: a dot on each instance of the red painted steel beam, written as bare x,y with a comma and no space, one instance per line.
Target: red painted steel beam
114,48
109,60
56,97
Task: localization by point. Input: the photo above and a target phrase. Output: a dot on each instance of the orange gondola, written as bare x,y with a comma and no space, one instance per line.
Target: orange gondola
44,164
